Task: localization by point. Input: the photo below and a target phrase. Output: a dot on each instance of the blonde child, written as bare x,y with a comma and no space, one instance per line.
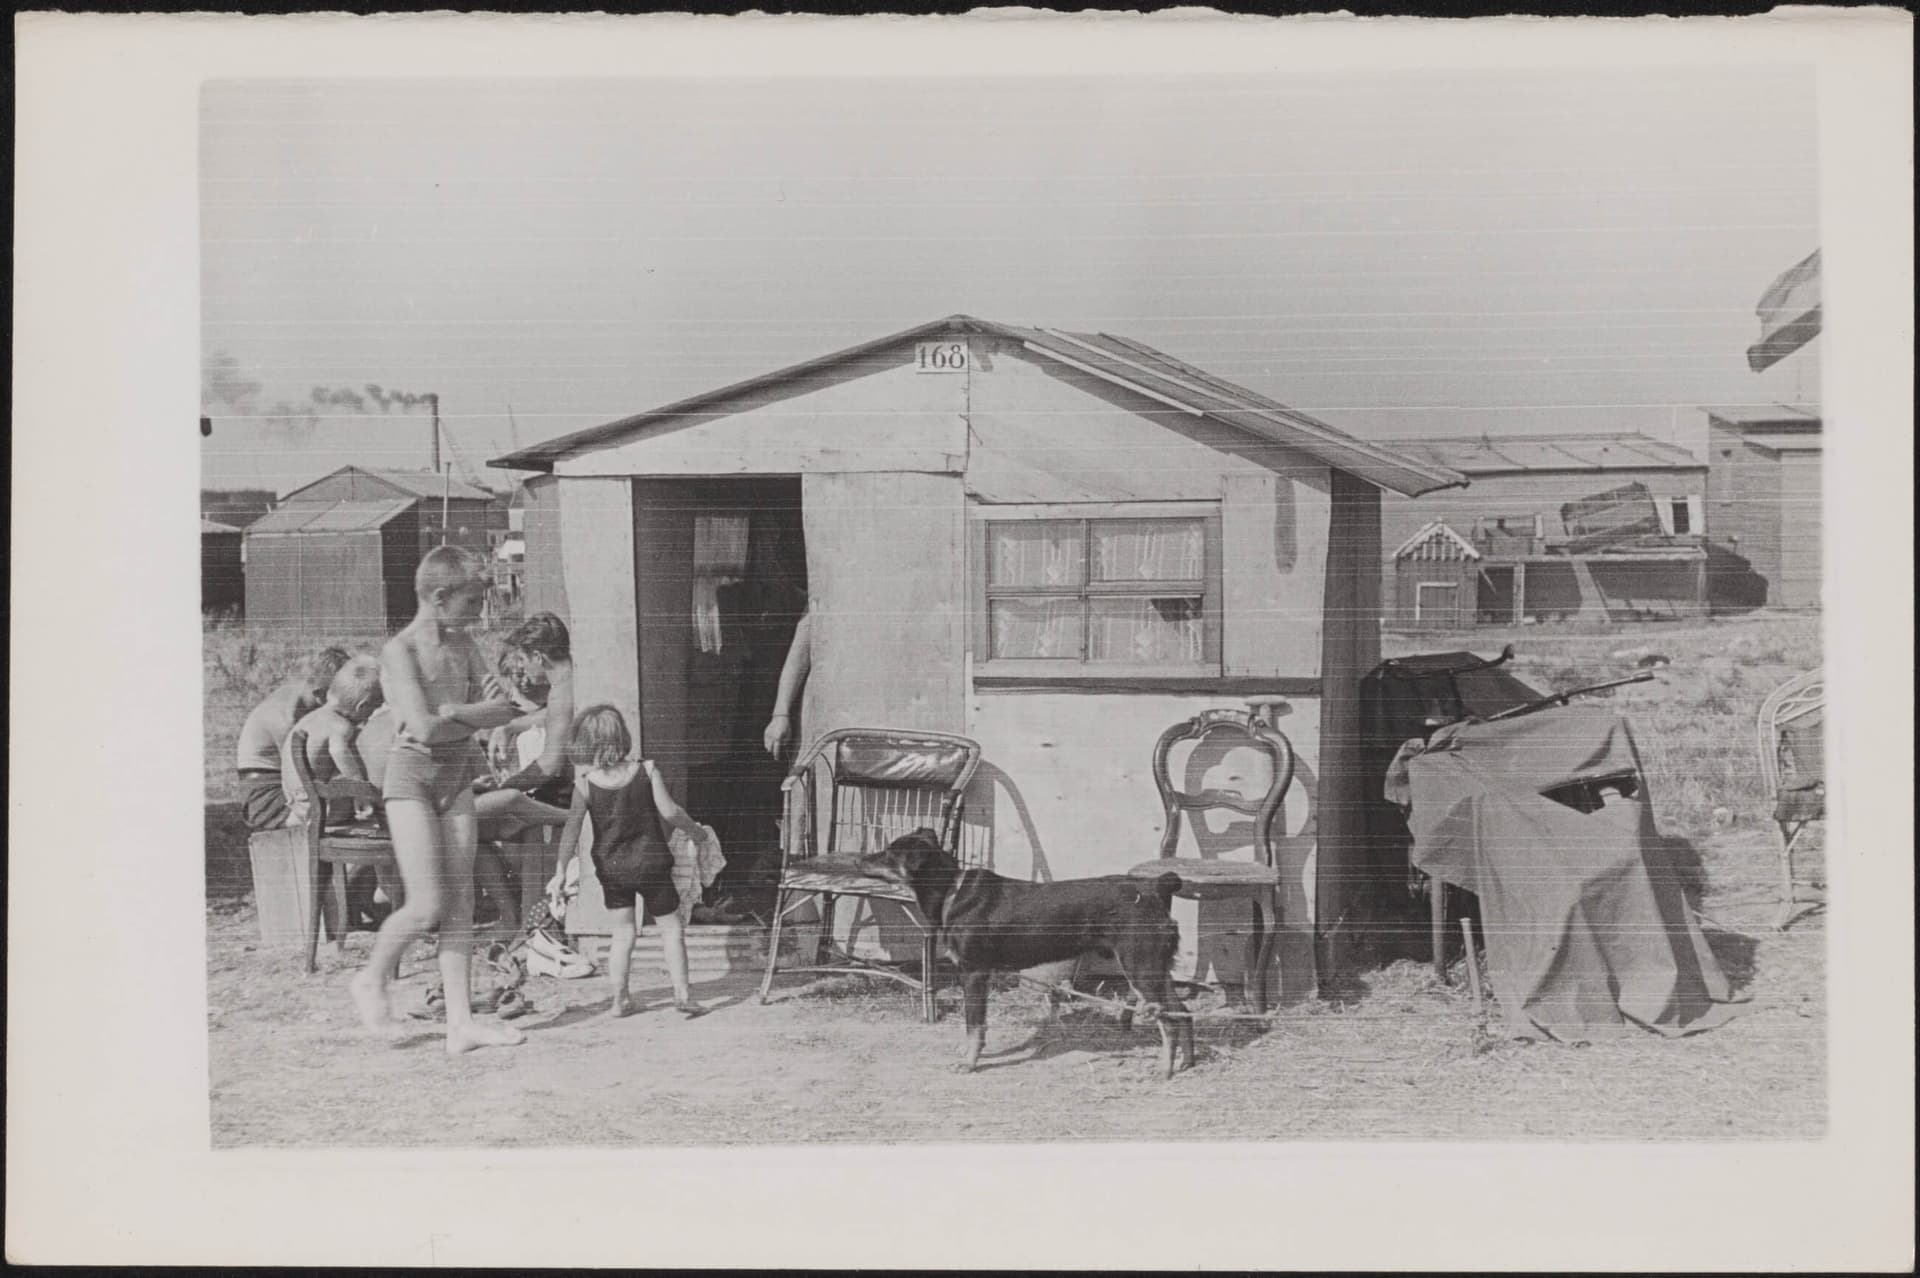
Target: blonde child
352,698
442,696
629,805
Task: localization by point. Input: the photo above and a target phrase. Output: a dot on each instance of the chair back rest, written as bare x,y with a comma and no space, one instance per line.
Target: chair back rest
1237,727
1791,729
323,795
877,784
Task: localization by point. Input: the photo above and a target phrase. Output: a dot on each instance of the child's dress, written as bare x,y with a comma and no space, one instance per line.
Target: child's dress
630,852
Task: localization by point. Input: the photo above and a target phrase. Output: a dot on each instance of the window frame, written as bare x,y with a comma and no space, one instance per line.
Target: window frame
981,518
1420,612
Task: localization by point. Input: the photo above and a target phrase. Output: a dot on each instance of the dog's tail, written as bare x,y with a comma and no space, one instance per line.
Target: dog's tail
1167,886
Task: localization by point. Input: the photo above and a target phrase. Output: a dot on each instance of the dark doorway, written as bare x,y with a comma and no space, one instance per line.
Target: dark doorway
749,591
1496,603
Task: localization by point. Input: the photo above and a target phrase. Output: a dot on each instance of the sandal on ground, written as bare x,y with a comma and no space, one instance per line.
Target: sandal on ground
506,967
690,1010
512,1004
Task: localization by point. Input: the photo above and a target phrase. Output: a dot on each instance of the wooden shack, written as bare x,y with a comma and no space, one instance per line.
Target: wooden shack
1436,580
1055,543
1763,488
338,554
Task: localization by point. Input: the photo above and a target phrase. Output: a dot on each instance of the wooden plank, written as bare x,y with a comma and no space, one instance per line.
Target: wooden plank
877,415
1343,865
885,571
597,527
546,586
1274,532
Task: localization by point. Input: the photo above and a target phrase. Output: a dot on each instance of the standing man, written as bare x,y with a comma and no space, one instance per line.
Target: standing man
793,677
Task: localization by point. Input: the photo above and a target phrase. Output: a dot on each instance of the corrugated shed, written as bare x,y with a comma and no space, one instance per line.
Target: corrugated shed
1117,360
341,516
1509,454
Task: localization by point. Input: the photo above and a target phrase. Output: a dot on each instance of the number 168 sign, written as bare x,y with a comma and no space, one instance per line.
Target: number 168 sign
940,357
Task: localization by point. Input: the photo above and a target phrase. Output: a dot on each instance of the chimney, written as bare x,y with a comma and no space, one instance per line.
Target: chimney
433,401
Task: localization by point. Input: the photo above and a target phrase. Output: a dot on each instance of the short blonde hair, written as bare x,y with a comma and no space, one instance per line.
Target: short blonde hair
600,738
355,690
447,569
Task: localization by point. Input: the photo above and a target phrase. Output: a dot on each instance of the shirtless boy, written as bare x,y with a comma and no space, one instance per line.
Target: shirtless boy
263,800
442,695
330,731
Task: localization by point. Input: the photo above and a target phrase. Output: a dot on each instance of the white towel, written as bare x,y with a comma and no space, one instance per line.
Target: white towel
695,866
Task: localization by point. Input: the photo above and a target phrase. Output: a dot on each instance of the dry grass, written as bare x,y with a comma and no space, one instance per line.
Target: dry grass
1694,723
846,1060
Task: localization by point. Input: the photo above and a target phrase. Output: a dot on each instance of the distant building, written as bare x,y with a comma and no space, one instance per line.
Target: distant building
235,507
223,586
1763,497
1502,551
338,554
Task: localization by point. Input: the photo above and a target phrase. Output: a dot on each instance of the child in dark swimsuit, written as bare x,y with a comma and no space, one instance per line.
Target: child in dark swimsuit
442,695
630,806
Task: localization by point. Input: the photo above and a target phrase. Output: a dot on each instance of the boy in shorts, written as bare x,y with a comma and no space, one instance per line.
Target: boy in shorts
263,800
442,694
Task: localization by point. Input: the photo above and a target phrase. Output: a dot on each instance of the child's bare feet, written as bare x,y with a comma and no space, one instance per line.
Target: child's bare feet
474,1034
688,1008
621,1006
370,1001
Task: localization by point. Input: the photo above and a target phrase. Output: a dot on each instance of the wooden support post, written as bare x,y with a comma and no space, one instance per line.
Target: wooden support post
1519,592
1473,967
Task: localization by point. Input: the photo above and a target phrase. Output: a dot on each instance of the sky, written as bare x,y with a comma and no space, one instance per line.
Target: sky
1403,256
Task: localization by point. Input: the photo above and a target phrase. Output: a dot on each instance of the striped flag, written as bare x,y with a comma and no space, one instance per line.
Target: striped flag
1789,314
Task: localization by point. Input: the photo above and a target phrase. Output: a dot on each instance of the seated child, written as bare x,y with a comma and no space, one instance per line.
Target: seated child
628,802
263,800
351,698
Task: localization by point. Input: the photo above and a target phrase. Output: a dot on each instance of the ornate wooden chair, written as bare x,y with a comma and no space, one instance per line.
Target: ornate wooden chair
339,841
1207,878
1793,770
876,785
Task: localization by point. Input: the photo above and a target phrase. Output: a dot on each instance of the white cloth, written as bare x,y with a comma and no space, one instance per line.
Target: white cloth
695,866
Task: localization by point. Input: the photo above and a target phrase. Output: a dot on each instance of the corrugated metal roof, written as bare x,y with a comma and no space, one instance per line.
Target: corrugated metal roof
1751,415
1117,360
208,526
339,516
424,483
415,483
1786,443
1510,454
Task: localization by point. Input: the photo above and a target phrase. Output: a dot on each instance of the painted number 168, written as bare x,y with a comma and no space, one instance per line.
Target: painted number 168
941,357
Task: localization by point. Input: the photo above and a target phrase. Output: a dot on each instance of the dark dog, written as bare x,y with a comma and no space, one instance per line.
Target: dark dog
994,924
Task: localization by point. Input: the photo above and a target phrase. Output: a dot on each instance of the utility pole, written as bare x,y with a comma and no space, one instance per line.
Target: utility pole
433,402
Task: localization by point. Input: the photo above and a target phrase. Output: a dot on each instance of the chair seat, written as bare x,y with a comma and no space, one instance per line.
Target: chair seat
1198,874
841,875
346,846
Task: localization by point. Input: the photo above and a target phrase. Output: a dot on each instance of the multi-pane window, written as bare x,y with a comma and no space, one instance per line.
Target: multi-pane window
1101,592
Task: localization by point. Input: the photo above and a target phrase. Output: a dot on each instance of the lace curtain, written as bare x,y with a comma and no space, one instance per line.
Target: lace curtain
1158,629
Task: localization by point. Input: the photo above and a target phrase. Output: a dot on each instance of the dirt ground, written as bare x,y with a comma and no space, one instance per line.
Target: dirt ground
1395,1056
849,1060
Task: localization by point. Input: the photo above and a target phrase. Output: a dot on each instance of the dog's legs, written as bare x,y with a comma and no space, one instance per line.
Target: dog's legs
1171,1018
975,990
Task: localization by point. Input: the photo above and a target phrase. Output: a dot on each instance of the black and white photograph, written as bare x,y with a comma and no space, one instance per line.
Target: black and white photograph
772,609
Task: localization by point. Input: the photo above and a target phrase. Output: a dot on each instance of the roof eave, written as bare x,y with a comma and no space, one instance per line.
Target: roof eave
541,457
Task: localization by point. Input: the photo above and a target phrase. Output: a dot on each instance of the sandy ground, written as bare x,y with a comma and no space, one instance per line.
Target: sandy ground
849,1060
